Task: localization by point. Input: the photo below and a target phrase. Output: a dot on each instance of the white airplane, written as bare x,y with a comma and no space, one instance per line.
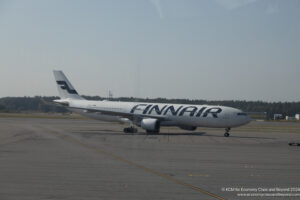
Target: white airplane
149,116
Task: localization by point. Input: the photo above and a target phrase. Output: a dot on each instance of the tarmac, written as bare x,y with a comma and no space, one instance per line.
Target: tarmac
87,159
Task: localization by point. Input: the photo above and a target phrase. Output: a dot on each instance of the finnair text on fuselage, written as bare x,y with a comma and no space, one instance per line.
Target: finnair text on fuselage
192,111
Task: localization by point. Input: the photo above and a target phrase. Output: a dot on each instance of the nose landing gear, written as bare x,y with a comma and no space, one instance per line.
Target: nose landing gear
226,134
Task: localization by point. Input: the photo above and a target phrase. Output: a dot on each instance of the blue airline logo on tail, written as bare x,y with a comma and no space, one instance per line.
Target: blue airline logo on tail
64,86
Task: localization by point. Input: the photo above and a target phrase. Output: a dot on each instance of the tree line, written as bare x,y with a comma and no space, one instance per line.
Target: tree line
46,105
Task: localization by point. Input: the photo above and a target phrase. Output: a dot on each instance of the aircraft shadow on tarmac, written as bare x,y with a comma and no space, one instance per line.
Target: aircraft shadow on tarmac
241,137
209,135
249,137
113,132
173,134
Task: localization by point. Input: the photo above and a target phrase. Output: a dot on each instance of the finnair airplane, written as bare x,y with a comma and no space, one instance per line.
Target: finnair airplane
149,116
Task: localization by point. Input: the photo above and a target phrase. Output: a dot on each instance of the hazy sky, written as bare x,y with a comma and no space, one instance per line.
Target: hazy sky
214,49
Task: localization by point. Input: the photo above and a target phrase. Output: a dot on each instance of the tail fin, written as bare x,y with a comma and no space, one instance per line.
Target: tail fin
65,88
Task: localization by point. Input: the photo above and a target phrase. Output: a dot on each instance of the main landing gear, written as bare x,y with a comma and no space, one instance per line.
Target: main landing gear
226,134
130,129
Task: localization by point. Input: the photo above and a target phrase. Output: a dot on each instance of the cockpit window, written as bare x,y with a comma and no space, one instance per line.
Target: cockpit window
242,114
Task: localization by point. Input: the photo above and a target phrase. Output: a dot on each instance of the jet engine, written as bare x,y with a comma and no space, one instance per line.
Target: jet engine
150,125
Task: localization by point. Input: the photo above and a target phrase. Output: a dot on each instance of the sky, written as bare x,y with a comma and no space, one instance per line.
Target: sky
208,49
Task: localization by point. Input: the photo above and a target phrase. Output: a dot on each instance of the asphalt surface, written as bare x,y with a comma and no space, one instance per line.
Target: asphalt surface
86,159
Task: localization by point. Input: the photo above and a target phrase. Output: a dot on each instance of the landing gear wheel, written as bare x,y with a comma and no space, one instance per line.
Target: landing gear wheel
130,130
226,134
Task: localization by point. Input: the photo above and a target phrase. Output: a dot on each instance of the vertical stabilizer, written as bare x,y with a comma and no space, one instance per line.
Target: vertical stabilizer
65,88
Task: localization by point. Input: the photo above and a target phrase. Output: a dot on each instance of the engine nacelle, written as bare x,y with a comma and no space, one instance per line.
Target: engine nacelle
188,128
150,125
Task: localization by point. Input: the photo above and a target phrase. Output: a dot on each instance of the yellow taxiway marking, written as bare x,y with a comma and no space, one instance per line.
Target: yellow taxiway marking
98,150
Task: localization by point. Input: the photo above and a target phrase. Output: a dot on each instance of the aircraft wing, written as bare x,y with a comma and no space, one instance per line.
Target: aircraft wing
131,116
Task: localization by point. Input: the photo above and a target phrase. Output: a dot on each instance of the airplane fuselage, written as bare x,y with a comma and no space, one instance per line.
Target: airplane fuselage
173,114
